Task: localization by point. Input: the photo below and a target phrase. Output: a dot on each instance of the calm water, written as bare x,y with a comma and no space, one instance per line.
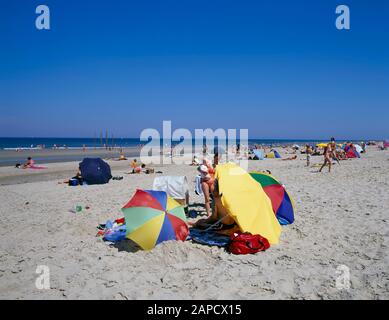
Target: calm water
124,142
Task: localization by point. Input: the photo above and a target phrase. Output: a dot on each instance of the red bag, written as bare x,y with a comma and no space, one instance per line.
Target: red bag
245,243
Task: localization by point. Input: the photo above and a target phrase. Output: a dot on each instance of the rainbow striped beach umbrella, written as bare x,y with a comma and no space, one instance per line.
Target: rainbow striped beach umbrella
281,201
153,217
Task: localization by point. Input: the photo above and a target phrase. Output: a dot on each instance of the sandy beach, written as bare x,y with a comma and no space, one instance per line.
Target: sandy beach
11,157
341,220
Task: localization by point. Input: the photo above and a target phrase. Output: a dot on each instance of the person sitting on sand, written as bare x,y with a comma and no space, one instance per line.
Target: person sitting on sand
77,177
219,214
341,154
30,163
122,157
195,161
146,170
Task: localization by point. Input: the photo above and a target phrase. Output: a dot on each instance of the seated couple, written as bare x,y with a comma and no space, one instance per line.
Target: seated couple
219,220
136,168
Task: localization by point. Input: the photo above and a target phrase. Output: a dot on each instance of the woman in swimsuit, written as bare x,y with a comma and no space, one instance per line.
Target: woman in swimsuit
207,181
327,157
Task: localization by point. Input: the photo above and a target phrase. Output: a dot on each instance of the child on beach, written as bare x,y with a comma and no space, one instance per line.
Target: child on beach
133,165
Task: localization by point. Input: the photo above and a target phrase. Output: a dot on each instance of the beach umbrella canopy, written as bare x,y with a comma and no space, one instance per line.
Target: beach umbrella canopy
321,145
246,202
153,217
95,171
281,201
273,154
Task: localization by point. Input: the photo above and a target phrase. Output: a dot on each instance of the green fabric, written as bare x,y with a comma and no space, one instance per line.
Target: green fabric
135,217
178,212
264,179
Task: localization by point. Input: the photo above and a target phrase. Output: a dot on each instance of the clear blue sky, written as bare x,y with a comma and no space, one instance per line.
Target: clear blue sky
279,68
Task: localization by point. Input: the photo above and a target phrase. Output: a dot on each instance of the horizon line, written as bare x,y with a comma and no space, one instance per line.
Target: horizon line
137,138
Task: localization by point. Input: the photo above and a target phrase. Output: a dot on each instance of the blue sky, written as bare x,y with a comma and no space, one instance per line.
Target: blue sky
280,69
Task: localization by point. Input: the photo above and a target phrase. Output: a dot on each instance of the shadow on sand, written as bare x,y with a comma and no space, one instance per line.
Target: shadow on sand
126,245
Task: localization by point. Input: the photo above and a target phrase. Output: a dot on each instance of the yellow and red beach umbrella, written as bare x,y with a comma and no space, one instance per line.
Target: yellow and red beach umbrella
153,217
281,201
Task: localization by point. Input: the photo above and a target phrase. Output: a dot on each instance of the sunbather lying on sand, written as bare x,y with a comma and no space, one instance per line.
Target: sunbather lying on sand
290,158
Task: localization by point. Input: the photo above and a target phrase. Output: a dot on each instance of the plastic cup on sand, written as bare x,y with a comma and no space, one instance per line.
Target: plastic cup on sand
78,208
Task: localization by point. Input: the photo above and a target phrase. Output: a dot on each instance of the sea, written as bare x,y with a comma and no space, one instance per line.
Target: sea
79,143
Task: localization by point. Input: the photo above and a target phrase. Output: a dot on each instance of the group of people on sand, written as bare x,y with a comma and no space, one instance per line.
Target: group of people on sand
140,168
330,153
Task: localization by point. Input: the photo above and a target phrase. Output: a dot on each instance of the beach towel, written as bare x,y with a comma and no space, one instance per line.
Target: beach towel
198,188
115,234
175,186
209,238
37,167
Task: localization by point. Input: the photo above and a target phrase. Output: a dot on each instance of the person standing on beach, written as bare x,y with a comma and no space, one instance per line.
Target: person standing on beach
308,151
333,148
329,154
327,158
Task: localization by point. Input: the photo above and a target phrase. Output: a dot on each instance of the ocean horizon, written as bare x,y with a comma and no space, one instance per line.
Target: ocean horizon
78,143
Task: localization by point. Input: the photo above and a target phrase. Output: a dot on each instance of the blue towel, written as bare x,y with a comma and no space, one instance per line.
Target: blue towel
209,238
